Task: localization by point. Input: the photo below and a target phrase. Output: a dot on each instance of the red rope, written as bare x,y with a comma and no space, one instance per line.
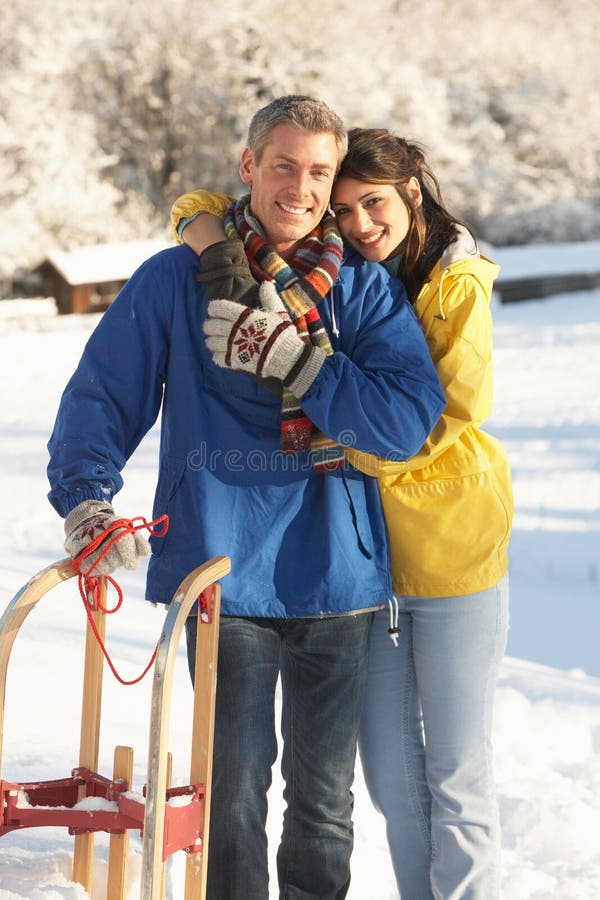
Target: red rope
89,585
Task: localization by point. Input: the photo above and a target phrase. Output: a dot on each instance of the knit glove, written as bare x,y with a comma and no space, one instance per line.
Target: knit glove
226,273
263,342
90,519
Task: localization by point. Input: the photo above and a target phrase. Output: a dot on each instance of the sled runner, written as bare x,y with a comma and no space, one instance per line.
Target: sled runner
86,802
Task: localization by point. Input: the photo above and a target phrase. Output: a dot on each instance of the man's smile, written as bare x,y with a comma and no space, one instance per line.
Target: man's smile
294,210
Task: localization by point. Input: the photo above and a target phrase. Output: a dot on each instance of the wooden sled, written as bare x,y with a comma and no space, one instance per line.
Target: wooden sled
165,827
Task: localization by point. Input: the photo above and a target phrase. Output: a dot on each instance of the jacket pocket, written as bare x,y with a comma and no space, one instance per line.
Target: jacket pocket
361,538
232,384
170,477
243,396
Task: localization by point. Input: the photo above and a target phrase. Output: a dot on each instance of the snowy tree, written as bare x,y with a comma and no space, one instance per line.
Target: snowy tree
111,110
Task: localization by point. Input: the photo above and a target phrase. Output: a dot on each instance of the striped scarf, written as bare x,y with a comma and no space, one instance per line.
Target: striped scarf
301,285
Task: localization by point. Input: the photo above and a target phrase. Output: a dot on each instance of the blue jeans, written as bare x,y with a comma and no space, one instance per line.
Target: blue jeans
425,742
323,665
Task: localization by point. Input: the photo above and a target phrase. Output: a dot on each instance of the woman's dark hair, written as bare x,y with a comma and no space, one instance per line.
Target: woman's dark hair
377,156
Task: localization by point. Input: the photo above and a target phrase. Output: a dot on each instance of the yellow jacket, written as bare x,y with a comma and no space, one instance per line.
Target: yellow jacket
449,509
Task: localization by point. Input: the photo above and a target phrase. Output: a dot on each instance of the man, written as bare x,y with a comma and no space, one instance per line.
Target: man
305,534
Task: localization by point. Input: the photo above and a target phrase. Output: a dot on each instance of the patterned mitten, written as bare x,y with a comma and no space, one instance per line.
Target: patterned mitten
263,342
89,520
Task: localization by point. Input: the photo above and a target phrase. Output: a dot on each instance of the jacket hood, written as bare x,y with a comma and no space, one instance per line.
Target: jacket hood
464,247
461,257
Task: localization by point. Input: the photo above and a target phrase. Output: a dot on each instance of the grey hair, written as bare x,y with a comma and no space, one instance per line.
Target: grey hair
300,112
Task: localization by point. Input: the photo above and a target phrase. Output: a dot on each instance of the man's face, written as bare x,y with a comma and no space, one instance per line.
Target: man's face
291,184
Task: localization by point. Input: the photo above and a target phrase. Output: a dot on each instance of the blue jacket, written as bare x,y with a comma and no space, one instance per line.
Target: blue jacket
301,543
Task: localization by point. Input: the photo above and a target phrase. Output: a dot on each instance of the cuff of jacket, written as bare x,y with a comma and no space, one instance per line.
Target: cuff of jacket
183,223
189,206
305,370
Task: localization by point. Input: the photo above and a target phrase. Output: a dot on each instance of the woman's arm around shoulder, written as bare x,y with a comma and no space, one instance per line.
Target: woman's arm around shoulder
197,218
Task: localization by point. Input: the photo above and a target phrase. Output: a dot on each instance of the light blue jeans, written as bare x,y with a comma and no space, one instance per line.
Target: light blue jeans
425,742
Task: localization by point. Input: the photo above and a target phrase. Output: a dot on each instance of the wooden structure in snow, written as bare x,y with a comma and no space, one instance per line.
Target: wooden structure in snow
88,279
536,271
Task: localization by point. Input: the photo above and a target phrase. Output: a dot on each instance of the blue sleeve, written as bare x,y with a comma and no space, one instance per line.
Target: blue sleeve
114,396
379,391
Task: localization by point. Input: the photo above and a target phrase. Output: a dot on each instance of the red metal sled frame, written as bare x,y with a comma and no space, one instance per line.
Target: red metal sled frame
165,828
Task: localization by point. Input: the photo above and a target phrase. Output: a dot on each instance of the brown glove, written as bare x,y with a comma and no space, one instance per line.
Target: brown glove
226,274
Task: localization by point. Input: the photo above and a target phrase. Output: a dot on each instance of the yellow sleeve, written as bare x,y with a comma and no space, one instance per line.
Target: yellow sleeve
189,205
461,348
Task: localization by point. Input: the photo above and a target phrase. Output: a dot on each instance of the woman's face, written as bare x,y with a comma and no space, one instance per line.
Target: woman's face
373,218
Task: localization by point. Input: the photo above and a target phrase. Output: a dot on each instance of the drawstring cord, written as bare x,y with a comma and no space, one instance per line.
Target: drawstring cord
89,585
334,327
440,315
393,630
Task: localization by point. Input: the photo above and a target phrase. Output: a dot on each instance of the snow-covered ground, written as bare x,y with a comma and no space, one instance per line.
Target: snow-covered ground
547,726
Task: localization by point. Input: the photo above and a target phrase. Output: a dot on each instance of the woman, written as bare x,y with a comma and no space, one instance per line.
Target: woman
425,740
448,511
